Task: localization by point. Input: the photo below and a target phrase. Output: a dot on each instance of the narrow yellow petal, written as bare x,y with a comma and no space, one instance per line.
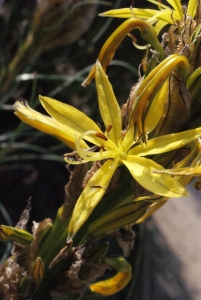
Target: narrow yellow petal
166,143
155,110
153,82
191,9
128,140
176,4
45,124
186,171
70,117
130,13
107,52
108,105
164,15
116,283
91,195
142,170
155,206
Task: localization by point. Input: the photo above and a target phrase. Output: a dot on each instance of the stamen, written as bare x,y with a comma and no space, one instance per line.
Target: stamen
108,128
101,136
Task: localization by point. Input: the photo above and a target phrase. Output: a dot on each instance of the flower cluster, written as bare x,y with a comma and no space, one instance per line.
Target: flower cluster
139,139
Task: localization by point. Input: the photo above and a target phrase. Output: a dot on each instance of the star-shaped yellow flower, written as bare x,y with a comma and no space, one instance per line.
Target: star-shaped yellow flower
113,147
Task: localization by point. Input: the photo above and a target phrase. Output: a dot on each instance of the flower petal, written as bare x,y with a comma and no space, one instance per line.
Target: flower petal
117,282
107,52
188,171
46,124
128,13
128,140
142,170
176,4
70,117
154,114
108,105
91,195
152,83
191,9
166,143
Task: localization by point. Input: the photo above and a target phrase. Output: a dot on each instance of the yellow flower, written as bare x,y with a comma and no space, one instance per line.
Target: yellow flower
113,147
160,18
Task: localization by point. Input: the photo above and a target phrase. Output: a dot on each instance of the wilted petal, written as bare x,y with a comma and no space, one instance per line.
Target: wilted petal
116,283
142,170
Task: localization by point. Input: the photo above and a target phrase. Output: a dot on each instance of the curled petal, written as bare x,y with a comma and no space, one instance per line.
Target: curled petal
116,283
148,33
72,161
94,156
